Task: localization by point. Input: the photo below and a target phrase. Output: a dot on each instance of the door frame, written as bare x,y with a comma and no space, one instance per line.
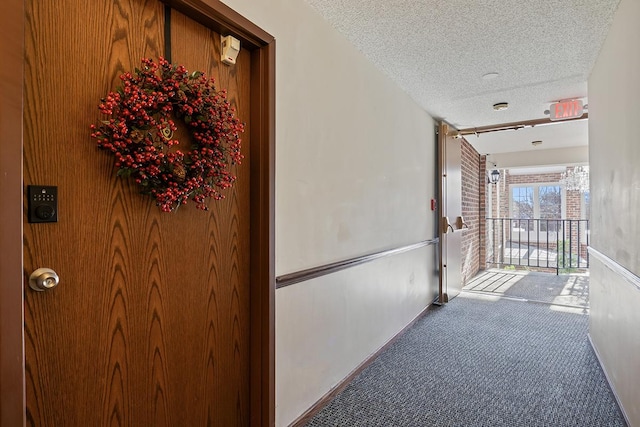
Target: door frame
441,130
222,19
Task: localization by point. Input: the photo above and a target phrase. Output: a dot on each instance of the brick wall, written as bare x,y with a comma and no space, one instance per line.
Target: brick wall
482,229
574,205
473,210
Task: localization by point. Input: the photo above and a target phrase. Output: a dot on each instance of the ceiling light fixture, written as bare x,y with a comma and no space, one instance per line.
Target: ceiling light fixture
536,143
490,76
500,106
576,179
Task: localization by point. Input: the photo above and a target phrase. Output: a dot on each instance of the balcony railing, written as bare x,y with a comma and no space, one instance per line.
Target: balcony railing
558,244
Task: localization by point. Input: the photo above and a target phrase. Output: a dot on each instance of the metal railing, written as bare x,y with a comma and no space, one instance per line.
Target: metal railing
559,244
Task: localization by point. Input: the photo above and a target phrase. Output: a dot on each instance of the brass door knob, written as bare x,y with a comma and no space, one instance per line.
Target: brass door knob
43,279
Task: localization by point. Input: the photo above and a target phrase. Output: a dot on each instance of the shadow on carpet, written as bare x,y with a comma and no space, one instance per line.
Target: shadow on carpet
564,289
481,361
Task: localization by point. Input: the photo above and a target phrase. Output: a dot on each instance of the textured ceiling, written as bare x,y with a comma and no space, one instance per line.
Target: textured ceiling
439,50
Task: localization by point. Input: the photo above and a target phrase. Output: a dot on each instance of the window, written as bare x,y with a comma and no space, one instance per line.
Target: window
585,208
586,205
522,206
550,201
533,201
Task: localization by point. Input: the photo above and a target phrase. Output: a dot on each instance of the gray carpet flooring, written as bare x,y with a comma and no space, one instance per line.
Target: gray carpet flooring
482,362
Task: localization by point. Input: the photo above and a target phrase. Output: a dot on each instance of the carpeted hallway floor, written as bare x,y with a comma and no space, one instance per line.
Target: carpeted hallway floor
482,360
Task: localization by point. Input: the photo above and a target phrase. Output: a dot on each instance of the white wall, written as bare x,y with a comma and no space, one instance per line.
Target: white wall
328,326
355,165
614,90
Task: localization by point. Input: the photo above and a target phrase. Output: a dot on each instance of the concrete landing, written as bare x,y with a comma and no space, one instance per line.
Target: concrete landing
570,290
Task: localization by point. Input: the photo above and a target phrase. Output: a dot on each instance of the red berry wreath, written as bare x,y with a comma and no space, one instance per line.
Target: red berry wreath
139,132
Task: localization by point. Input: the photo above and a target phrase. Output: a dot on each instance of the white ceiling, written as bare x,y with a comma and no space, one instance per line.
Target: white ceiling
439,50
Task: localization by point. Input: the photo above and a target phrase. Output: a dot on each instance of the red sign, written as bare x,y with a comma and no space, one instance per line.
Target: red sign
564,110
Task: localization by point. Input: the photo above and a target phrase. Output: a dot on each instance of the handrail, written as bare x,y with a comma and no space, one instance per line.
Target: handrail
613,265
312,273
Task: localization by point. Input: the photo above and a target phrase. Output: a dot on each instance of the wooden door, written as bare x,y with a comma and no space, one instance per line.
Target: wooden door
150,324
450,156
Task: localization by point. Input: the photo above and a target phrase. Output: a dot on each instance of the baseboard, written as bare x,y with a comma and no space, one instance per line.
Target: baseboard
324,400
606,375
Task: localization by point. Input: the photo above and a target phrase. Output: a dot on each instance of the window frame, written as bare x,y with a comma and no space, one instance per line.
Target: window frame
536,201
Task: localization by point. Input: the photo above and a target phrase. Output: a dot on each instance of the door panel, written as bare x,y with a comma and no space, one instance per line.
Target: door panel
451,201
150,323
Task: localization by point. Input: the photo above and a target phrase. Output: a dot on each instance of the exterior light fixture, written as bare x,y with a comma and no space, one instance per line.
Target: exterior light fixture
494,176
501,106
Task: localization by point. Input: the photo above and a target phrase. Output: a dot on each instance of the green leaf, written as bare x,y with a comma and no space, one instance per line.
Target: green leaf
124,172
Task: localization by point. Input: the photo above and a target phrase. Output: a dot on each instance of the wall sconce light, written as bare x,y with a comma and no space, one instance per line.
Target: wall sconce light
494,176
